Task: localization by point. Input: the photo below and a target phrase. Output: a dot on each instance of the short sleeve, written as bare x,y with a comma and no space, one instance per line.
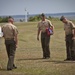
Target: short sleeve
73,25
50,23
15,30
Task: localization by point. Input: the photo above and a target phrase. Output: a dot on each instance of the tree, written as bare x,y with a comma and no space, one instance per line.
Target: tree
4,19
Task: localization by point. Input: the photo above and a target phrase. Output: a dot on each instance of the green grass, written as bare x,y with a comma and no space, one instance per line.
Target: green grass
28,56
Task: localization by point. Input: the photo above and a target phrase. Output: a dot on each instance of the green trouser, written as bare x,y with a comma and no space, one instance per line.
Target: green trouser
45,39
70,47
11,48
73,50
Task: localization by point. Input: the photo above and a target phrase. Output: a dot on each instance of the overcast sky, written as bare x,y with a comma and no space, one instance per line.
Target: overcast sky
17,7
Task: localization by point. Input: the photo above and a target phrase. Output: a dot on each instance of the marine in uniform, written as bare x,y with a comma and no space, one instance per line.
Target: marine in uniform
10,33
69,28
45,39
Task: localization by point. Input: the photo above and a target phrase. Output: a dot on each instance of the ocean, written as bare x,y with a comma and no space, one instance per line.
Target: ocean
70,16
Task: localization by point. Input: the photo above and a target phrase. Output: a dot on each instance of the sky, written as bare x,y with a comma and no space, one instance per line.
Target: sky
17,7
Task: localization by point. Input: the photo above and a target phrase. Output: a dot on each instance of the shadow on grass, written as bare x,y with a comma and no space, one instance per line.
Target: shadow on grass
2,69
59,61
30,59
48,60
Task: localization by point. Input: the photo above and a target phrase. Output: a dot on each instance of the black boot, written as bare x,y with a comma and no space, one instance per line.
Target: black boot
14,67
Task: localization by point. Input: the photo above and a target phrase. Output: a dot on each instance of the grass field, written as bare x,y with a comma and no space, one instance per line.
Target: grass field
28,56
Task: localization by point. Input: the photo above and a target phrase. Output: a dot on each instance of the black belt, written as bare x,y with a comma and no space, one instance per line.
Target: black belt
43,32
69,35
9,38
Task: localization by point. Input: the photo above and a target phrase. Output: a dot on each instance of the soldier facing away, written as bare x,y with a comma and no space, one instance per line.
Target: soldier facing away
10,34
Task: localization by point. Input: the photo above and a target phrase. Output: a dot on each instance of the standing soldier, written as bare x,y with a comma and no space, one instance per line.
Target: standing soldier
69,28
10,33
43,25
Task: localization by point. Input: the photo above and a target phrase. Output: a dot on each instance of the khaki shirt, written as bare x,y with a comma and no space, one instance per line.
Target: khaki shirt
68,28
42,25
9,31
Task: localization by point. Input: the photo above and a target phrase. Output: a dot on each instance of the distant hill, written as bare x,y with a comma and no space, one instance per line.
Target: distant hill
70,15
56,15
67,15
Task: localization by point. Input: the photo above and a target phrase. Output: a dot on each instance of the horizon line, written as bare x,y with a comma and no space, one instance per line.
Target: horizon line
40,13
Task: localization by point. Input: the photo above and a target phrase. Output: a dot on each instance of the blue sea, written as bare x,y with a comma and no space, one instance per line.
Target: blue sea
70,16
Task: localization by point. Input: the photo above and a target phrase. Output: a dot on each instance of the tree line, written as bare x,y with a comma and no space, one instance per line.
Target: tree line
30,19
5,19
